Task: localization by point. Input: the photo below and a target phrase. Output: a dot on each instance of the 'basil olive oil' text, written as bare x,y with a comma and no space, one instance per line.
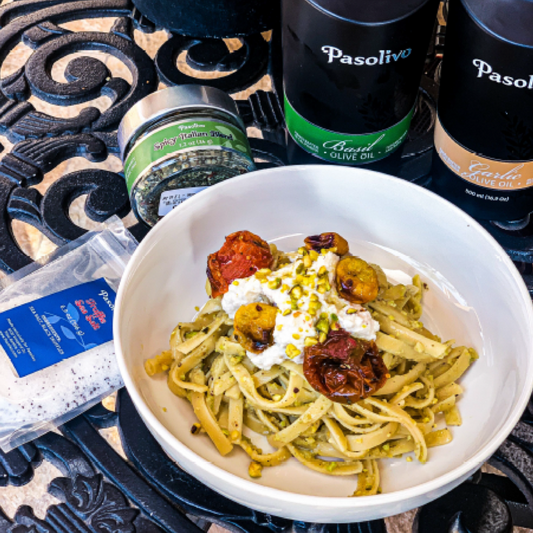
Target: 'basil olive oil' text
351,72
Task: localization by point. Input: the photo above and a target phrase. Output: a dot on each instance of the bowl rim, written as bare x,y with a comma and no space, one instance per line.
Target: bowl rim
263,491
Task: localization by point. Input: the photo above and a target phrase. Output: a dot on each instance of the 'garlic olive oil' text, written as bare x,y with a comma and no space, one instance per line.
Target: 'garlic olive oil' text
483,159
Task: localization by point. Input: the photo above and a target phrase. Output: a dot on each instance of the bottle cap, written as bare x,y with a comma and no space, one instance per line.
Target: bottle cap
181,98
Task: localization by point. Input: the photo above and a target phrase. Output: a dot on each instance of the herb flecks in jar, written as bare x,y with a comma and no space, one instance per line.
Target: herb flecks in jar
178,141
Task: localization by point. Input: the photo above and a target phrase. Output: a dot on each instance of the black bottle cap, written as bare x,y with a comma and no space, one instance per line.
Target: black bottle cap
511,20
369,11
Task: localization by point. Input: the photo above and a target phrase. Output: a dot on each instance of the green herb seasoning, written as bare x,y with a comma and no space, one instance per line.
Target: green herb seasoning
178,141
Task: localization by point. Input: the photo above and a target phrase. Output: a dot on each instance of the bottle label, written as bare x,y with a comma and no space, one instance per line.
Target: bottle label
179,137
170,199
342,147
45,331
479,170
485,70
383,57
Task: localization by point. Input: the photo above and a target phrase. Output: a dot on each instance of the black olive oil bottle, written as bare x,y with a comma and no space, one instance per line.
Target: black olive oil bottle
351,73
483,158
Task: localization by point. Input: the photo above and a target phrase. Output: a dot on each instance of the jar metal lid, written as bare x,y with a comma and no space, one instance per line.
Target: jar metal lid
180,98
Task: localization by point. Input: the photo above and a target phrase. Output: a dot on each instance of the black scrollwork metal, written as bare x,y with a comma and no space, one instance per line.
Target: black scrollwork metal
468,508
249,62
42,141
17,466
88,77
90,503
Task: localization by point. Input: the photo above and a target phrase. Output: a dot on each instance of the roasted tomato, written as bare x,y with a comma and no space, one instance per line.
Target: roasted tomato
344,369
241,255
326,241
254,326
356,280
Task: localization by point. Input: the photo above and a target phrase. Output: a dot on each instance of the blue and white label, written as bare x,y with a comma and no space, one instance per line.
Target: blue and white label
46,331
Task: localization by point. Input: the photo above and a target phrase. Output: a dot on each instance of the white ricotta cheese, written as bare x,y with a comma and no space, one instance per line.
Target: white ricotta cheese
294,325
330,261
242,292
359,324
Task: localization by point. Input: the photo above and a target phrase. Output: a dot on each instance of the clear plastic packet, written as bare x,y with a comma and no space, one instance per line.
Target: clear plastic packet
56,351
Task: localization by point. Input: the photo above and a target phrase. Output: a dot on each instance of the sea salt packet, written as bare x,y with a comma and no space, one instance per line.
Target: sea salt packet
56,327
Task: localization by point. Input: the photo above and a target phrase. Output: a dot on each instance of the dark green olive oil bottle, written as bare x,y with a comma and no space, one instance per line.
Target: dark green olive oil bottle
351,73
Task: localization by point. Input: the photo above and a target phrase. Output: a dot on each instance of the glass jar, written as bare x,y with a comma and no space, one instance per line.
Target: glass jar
178,141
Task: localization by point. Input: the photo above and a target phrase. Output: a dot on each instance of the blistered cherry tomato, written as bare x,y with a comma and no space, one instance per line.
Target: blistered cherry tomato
241,255
344,369
326,241
356,280
254,326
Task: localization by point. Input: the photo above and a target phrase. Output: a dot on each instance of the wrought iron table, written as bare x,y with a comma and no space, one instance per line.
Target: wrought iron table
69,71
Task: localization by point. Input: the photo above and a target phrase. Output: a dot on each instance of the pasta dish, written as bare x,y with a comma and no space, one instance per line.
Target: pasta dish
318,352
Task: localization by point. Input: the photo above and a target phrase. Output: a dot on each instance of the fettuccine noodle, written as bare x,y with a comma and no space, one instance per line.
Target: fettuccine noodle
207,366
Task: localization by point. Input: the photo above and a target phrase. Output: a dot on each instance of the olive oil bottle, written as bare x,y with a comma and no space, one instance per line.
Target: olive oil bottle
351,73
483,158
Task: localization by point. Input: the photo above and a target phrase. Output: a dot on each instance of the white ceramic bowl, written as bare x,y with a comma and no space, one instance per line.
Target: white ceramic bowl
476,296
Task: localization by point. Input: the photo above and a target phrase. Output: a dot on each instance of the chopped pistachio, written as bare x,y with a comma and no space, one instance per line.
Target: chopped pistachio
292,352
236,359
275,283
322,325
296,292
255,470
310,341
332,466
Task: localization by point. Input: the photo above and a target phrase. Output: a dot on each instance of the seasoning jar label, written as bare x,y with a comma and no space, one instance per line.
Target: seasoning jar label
45,331
343,147
170,199
182,137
